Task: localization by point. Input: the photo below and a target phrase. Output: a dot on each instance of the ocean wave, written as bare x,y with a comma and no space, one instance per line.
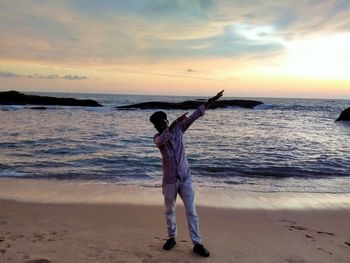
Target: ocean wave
9,145
277,143
7,171
268,172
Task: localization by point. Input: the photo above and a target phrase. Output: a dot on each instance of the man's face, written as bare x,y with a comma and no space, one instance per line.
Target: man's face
162,124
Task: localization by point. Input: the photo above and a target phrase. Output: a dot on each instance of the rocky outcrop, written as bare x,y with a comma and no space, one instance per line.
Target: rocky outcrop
345,115
38,108
187,105
17,98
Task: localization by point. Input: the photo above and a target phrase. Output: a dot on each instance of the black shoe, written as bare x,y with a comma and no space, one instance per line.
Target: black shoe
200,250
169,244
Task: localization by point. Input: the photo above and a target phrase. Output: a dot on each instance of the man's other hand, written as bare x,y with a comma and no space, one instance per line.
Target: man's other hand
213,99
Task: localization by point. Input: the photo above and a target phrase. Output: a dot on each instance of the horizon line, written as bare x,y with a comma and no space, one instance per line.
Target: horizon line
173,95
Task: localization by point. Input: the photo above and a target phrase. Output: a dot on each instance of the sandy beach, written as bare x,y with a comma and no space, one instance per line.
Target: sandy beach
60,226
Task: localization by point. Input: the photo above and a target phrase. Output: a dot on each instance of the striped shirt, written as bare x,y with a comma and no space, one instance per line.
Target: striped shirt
171,146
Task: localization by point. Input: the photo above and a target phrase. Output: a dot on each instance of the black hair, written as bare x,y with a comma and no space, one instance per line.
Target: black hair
157,116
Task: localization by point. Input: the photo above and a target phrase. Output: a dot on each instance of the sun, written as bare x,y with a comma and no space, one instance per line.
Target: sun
319,57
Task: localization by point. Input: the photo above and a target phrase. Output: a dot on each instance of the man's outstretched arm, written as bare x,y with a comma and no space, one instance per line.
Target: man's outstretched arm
186,123
211,101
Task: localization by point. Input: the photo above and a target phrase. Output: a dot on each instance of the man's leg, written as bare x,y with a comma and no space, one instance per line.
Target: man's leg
187,195
170,193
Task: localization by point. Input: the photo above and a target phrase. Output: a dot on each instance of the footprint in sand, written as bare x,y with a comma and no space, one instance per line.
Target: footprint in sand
38,237
50,236
288,221
295,260
297,227
293,226
322,249
40,260
325,233
310,237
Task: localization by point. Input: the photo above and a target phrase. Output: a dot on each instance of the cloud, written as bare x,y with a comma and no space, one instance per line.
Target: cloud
51,76
154,10
74,77
234,41
150,31
7,74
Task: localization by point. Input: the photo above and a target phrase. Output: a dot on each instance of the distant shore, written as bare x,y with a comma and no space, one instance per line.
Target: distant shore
88,222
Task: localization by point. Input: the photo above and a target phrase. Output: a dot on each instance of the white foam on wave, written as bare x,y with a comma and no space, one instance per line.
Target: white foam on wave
11,173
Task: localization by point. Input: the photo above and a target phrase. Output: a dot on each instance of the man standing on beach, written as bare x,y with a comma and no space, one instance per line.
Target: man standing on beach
176,173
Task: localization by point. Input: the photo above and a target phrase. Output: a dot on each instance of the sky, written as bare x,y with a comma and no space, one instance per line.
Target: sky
250,48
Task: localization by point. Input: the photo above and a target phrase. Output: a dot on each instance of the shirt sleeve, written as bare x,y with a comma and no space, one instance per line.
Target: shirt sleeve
161,139
194,116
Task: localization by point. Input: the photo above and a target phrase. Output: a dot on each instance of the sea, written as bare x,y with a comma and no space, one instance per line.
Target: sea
284,145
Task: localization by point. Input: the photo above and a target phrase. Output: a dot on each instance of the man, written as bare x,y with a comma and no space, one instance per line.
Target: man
176,173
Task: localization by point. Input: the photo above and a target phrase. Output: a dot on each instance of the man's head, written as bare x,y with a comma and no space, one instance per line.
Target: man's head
159,120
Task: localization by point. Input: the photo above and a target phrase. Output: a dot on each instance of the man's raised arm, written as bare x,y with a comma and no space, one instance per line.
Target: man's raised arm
210,101
186,123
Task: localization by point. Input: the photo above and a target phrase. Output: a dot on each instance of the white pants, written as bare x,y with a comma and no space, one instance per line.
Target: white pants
185,190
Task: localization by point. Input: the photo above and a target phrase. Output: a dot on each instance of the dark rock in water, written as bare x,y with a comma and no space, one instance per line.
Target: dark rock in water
17,98
38,108
190,104
345,115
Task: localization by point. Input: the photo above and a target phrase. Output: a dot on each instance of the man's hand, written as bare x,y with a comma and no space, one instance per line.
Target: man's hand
178,120
210,101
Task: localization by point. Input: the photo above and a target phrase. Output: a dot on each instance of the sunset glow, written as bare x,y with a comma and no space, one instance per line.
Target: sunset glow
254,49
325,57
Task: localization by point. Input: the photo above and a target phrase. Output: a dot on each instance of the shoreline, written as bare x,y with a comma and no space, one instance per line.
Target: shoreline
89,192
